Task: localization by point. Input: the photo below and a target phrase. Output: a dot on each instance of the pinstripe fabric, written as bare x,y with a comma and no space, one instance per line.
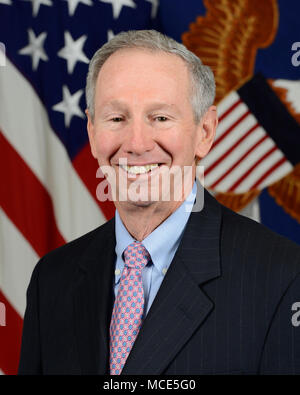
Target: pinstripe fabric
255,292
224,306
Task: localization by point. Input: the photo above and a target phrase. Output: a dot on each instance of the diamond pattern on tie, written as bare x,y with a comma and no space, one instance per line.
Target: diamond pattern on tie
129,306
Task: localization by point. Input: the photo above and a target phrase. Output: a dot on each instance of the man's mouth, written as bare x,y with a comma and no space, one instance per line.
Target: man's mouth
140,169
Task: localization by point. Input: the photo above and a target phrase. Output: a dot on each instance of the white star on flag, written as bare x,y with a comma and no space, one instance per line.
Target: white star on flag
36,5
35,48
8,2
72,5
154,7
118,4
72,51
69,105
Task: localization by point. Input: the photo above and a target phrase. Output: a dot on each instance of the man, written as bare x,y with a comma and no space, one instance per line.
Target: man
160,289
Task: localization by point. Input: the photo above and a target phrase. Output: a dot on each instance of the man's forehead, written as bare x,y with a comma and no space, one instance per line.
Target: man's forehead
142,74
136,56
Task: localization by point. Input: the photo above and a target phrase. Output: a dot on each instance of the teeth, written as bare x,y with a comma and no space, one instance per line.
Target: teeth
139,169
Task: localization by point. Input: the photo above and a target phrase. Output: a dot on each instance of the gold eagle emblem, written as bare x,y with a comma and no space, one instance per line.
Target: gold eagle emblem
227,39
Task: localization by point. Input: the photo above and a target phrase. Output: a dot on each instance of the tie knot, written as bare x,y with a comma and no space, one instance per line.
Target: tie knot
136,255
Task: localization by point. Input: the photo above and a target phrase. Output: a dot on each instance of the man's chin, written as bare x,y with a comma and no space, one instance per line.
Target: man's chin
141,203
134,205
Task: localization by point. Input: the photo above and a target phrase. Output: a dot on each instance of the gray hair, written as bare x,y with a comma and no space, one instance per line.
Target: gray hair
202,78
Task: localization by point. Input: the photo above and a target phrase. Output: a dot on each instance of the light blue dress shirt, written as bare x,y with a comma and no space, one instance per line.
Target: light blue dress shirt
161,244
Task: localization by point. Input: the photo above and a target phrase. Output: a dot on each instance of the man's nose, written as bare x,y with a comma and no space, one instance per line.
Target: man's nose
138,139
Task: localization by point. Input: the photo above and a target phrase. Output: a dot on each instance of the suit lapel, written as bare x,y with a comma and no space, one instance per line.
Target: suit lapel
180,306
93,299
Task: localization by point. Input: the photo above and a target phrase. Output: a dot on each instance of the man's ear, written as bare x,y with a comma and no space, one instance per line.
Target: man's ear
91,133
207,132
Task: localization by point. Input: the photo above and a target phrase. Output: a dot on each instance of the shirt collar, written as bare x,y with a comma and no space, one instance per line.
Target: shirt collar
164,240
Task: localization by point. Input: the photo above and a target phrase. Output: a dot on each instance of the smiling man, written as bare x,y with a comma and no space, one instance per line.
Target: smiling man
161,288
142,112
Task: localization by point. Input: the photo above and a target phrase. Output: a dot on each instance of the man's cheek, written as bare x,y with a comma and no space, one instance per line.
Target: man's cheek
104,148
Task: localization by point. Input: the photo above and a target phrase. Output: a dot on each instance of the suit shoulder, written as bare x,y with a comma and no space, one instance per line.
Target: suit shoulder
264,262
68,253
257,230
259,242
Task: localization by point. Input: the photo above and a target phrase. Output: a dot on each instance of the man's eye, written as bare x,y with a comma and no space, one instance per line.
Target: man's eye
117,119
161,119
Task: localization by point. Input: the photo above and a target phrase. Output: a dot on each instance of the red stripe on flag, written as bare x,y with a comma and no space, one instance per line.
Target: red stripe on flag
231,108
267,173
222,137
226,153
10,338
26,201
237,183
86,167
238,162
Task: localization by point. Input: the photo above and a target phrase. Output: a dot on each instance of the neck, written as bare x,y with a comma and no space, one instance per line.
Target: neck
141,219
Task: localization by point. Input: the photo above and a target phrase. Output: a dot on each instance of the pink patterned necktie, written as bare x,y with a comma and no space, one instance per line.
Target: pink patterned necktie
128,309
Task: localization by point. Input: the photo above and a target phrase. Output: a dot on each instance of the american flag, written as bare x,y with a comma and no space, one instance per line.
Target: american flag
246,154
48,177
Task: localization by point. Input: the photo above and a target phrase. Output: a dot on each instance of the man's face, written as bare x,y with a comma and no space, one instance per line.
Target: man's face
143,114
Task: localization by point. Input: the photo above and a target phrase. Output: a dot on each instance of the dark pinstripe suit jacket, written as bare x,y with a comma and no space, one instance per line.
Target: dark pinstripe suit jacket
224,307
